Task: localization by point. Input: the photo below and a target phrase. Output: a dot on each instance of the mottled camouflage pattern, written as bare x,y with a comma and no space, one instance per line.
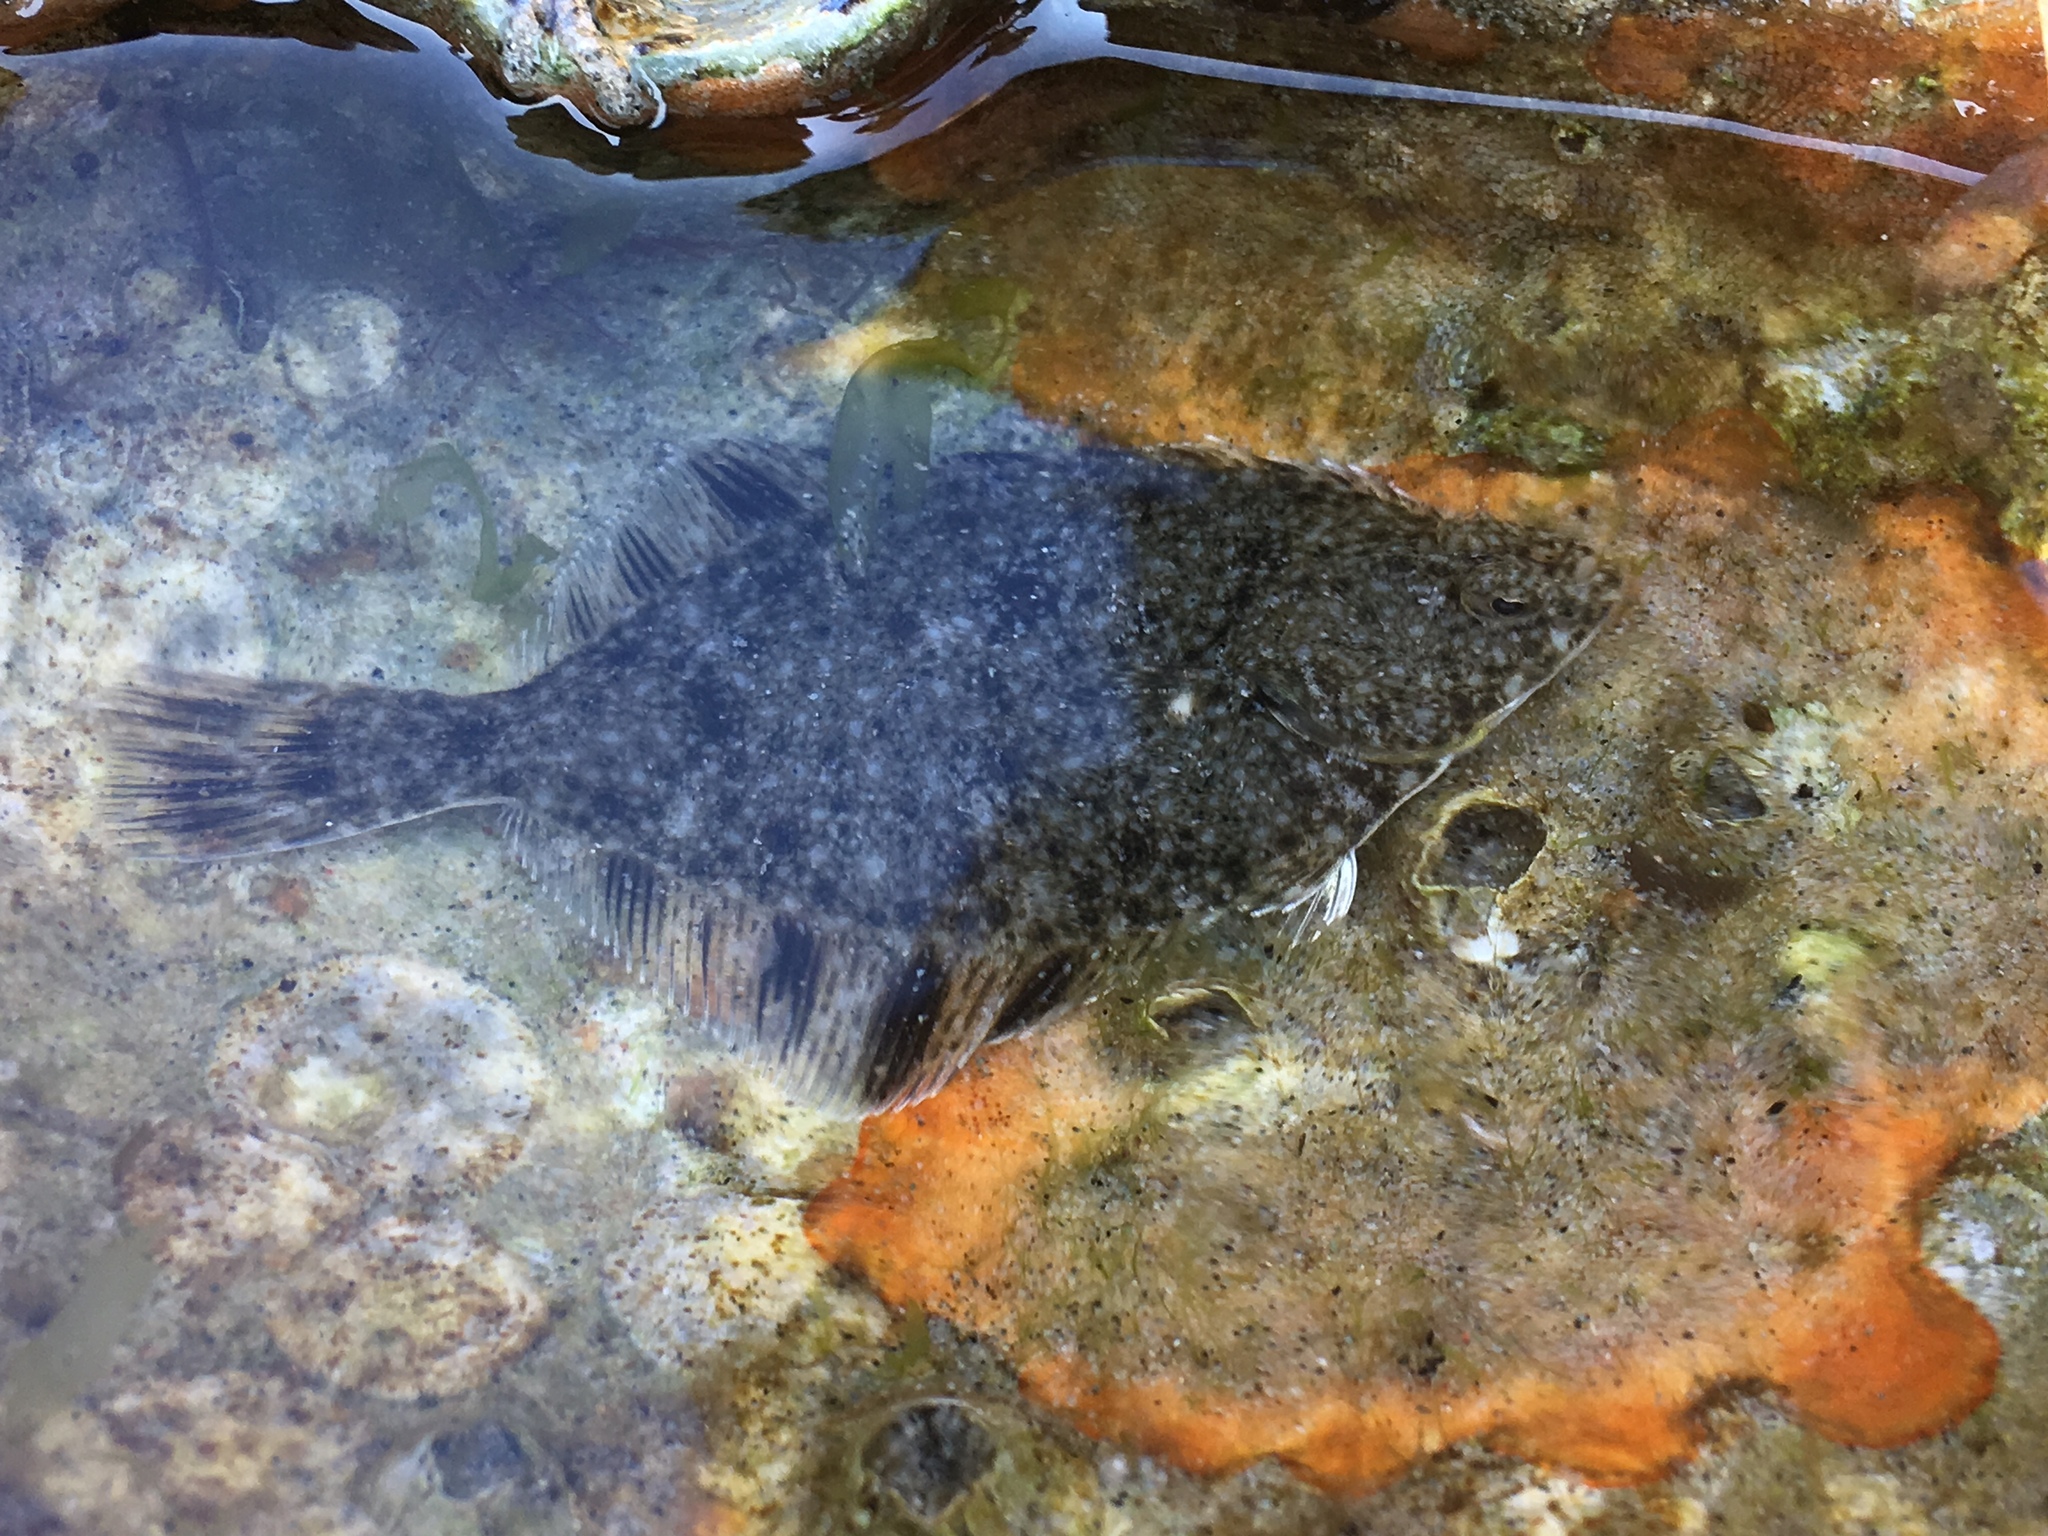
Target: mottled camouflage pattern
861,826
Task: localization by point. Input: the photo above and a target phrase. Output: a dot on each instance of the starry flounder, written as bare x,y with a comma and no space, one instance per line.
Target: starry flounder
859,827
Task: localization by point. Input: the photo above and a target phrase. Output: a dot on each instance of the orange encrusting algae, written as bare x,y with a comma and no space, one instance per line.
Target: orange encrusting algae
1868,1348
1731,452
1433,32
1853,1333
929,1225
1987,615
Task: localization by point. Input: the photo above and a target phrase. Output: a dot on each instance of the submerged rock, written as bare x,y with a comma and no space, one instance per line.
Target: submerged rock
711,1270
234,1446
408,1309
1353,281
1552,1173
337,346
622,63
220,1191
412,1077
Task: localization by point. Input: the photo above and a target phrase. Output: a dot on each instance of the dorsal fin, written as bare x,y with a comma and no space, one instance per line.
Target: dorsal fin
842,1016
639,555
760,484
695,508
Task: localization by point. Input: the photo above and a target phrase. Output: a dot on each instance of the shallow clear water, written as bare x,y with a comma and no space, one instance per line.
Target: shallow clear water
1638,1135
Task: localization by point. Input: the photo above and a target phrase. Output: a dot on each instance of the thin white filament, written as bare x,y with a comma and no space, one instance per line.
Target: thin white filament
1355,85
1060,32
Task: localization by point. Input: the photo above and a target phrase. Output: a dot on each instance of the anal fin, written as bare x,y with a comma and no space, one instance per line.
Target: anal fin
847,1017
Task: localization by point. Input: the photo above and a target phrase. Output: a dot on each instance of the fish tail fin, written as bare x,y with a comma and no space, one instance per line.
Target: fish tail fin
212,767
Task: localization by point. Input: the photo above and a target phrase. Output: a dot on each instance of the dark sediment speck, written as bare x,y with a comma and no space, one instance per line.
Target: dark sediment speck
23,1514
1688,877
475,1460
30,1298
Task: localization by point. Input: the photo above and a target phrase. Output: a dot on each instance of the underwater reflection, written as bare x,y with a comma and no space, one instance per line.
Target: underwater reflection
320,23
972,64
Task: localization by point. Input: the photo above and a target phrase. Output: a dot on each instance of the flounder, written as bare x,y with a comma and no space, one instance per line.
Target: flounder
859,827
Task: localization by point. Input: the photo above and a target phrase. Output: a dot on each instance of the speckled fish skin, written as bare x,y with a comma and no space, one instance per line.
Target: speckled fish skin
859,828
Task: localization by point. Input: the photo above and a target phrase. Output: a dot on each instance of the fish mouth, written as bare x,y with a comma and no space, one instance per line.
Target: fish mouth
1296,718
1438,759
1485,728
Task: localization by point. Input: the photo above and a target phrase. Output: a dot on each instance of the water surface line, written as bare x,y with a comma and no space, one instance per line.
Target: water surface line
1057,32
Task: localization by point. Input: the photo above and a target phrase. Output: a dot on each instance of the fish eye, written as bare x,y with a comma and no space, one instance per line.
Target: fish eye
1493,598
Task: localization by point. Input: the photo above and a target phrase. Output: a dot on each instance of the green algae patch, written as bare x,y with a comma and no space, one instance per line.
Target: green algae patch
500,582
1957,395
1868,410
882,441
408,490
1549,441
76,1348
1824,958
501,578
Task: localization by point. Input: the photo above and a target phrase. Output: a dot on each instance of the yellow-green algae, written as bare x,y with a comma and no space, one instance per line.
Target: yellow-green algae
882,435
408,493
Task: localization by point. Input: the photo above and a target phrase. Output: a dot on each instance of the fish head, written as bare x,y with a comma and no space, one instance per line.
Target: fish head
1404,637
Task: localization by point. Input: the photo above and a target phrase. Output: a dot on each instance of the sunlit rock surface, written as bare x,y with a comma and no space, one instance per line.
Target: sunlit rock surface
1354,281
622,62
626,61
1650,1148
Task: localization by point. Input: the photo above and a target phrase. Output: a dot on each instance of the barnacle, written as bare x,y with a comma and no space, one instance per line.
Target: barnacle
1480,850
